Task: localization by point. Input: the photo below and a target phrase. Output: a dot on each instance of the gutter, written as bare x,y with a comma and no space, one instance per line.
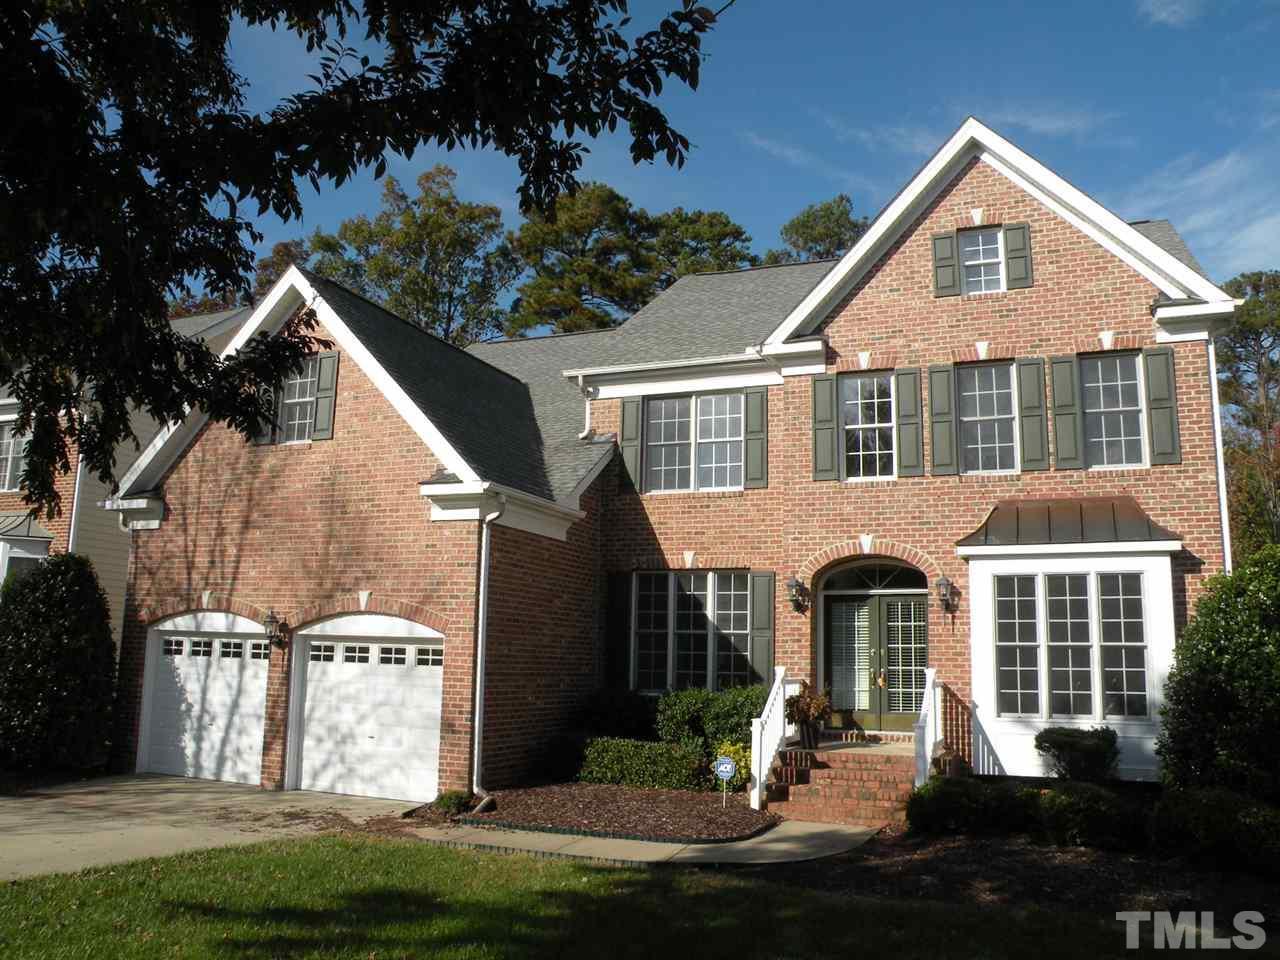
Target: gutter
482,630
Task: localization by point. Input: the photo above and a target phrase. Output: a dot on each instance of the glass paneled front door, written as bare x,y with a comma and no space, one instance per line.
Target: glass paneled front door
876,653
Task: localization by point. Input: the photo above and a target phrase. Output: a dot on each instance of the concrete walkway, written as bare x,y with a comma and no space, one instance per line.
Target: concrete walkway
115,819
788,842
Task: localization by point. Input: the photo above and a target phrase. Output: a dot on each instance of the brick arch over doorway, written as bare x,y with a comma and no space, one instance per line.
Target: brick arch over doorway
350,604
872,547
208,602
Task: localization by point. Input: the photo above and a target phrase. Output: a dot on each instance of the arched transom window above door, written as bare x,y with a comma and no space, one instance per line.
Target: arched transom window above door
876,575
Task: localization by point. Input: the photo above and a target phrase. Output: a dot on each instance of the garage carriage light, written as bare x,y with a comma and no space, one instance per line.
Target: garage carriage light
274,628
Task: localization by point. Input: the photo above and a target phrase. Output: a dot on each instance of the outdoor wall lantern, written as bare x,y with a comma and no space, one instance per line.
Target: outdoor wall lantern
798,593
274,628
948,595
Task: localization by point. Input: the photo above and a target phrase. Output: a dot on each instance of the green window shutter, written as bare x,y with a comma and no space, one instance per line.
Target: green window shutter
909,427
1162,405
762,601
268,432
326,392
755,437
617,633
826,431
1033,420
946,265
1068,413
1017,256
942,418
629,438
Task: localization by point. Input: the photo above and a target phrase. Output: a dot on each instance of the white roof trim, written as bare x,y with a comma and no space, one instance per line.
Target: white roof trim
1168,273
289,291
368,626
1072,549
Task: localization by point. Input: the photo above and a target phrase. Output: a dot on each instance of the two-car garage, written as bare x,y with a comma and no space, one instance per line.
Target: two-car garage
364,703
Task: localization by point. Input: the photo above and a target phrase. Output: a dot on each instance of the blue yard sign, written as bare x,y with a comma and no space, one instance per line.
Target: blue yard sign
724,768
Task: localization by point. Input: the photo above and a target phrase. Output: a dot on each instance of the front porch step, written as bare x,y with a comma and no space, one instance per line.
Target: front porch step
837,735
862,784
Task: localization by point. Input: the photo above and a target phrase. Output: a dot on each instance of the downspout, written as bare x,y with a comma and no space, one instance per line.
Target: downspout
1217,449
587,394
482,629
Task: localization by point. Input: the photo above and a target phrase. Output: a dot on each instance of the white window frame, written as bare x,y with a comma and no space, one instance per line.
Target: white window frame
1143,426
8,420
893,423
712,601
1096,676
998,261
1011,366
694,439
23,548
312,360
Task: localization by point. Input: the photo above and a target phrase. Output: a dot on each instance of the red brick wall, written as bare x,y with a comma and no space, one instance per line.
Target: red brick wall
302,529
543,658
799,526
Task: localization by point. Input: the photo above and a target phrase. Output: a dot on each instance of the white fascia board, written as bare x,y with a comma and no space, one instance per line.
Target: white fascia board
765,375
814,345
626,368
973,137
291,290
522,511
1134,547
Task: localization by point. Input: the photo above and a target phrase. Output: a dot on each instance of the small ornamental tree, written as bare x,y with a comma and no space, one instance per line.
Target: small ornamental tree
1222,700
57,674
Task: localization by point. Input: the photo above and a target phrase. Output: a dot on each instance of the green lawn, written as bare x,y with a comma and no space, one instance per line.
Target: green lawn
374,898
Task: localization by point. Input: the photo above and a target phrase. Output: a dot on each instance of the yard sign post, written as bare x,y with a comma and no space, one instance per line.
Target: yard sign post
725,769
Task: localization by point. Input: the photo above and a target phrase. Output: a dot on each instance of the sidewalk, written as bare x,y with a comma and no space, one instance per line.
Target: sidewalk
789,841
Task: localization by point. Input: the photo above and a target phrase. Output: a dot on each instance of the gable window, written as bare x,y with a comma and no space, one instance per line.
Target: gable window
1112,410
701,429
298,403
12,454
987,430
304,403
1071,635
982,261
866,415
691,629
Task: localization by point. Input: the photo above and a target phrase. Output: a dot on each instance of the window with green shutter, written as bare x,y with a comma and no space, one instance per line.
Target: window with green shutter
303,403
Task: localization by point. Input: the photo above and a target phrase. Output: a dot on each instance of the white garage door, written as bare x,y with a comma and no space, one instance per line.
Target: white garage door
371,709
206,701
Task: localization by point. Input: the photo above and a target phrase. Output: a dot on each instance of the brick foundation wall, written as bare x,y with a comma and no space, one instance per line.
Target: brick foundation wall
543,656
798,526
302,529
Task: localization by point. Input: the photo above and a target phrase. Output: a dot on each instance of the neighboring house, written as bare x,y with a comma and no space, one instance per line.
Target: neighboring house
982,446
81,527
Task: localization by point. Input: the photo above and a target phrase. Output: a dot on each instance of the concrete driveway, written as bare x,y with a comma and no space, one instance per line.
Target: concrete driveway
114,819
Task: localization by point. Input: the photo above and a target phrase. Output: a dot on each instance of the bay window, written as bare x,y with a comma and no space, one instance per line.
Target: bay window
1071,645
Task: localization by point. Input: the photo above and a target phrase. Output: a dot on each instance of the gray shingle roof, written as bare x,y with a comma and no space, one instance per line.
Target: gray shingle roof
215,329
558,407
1163,235
714,314
485,414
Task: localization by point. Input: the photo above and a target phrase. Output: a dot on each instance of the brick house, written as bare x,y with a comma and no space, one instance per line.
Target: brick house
973,468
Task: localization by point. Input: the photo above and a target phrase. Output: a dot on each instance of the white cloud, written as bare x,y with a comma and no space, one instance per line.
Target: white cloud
1049,119
1171,13
900,138
803,159
1225,206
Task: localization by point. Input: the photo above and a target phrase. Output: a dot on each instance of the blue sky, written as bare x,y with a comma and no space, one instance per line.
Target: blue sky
1157,108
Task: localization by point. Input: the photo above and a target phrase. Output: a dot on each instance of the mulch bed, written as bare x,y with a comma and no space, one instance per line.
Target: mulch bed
602,810
1017,871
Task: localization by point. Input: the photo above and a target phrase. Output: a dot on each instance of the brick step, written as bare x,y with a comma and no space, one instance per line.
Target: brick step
829,793
837,735
866,785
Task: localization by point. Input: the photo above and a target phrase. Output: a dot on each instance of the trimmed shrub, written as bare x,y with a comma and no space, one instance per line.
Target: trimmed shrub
57,675
741,756
1089,815
1218,826
619,713
1089,756
966,805
643,763
1222,700
682,715
729,714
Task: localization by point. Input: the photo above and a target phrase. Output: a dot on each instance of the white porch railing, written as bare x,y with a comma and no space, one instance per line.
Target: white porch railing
768,734
928,725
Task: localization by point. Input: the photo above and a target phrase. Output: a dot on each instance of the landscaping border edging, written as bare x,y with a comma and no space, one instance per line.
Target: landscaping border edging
611,835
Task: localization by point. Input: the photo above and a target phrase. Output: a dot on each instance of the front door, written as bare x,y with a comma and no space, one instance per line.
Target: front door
876,653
